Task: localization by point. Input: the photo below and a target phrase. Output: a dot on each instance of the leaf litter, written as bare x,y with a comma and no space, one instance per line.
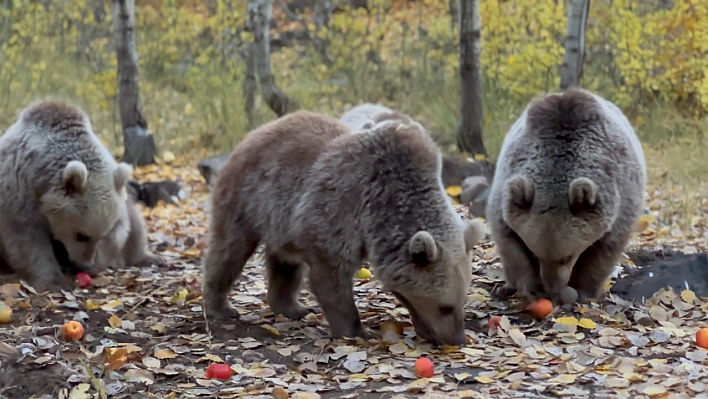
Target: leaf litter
146,335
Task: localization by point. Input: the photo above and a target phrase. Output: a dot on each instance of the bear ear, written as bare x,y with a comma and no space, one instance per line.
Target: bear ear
520,192
475,230
582,195
74,177
423,249
121,175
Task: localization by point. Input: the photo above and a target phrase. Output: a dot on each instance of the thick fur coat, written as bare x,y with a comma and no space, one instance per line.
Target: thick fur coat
126,244
318,196
58,181
566,195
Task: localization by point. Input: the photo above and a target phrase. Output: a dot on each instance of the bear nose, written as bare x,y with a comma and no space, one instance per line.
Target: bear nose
456,337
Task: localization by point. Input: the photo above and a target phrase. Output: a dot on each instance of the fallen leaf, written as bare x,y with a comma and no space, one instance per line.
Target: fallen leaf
139,376
114,321
165,354
586,323
453,191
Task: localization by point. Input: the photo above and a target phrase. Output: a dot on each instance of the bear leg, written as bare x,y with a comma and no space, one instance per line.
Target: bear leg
592,269
224,260
30,254
521,270
284,281
146,260
135,250
333,287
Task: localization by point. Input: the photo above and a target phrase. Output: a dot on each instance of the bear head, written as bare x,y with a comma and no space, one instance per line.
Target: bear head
558,220
433,279
84,206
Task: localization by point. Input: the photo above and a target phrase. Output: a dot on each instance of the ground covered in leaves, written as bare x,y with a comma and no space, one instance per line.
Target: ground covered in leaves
146,335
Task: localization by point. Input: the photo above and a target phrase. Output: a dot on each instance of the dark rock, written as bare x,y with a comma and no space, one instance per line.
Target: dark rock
210,167
663,269
478,206
475,190
455,169
150,193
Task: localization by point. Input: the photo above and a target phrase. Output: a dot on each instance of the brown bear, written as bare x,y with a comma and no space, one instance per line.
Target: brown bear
59,182
323,199
566,195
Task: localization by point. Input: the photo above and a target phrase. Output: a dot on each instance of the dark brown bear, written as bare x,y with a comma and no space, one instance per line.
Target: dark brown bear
317,195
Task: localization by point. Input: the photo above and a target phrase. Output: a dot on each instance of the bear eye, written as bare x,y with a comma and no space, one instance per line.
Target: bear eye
81,237
446,310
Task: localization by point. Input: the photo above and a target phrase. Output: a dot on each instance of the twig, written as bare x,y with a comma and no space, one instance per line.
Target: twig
94,381
206,323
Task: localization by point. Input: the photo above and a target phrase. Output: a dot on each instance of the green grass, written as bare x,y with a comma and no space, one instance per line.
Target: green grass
208,113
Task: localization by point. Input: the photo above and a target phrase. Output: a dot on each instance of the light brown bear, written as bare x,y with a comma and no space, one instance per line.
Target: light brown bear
58,181
566,195
318,196
126,244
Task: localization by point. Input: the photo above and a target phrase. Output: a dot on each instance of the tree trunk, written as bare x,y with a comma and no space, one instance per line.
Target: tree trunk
138,142
259,13
250,85
572,69
469,134
323,13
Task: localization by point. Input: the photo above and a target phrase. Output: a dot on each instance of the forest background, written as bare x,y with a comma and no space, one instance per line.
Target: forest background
648,56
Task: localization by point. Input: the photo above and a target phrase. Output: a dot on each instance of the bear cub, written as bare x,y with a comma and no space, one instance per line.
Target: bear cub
566,195
324,200
126,244
58,182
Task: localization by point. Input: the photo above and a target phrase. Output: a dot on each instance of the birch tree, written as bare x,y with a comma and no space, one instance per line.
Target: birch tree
259,14
138,142
572,69
469,134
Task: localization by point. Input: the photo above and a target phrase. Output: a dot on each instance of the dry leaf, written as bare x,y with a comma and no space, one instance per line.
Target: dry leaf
453,191
586,323
114,321
165,354
567,320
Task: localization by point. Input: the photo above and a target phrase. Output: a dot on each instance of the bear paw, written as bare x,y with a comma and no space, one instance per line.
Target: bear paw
149,260
52,283
294,311
222,313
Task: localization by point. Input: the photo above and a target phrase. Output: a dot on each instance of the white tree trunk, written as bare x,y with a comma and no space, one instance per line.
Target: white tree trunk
138,142
259,13
469,134
572,69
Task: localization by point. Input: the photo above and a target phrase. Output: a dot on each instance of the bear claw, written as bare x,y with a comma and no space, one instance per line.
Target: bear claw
55,284
223,313
295,312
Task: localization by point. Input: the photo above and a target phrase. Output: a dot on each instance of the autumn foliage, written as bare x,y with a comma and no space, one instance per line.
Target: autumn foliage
191,55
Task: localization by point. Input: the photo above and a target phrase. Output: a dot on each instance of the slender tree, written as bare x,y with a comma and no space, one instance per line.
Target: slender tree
469,134
572,69
259,14
137,140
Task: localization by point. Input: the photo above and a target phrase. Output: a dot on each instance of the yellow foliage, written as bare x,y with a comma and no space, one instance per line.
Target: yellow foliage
400,52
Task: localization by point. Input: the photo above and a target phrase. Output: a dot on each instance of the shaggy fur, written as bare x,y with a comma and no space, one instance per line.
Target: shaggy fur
126,244
363,116
567,193
58,181
318,196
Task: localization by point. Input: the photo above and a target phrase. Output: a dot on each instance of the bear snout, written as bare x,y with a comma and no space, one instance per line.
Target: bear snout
447,332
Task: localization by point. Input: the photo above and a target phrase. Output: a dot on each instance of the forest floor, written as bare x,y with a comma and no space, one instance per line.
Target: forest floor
146,335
